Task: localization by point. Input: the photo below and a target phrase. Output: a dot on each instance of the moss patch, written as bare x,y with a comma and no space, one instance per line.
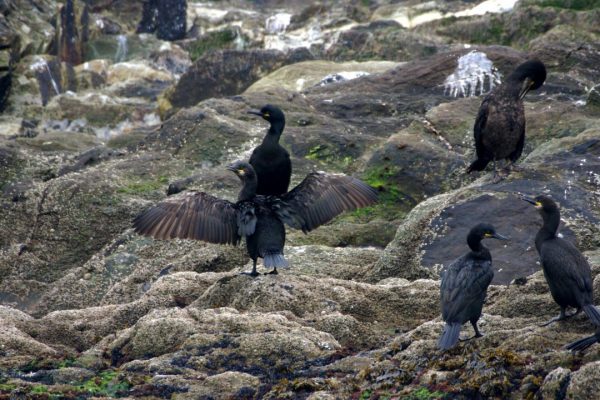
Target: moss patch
212,40
140,187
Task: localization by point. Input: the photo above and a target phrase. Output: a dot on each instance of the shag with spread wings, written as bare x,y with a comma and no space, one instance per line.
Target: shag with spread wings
260,219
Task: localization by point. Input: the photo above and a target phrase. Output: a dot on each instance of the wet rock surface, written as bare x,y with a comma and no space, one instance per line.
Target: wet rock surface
125,118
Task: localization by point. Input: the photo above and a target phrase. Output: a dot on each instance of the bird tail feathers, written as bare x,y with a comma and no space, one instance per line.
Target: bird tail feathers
449,336
593,313
582,344
275,261
478,165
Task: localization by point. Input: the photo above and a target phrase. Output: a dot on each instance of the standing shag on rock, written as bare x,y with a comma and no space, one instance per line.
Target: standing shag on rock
270,160
500,125
566,270
315,201
464,286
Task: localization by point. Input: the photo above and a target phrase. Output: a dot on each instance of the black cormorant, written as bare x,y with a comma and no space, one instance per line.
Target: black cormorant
464,286
315,201
270,160
500,124
582,344
566,270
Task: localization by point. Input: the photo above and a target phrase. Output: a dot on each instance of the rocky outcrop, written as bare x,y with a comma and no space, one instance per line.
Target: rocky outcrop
228,72
90,309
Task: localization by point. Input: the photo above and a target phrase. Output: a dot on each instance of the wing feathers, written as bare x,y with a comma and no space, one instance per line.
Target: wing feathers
191,216
320,197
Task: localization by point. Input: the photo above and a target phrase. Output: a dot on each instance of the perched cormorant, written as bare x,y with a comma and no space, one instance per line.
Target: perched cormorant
270,160
315,201
464,286
566,270
582,344
500,124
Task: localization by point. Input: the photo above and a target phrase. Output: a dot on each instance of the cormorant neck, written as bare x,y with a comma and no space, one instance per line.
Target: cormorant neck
550,227
248,191
274,132
513,86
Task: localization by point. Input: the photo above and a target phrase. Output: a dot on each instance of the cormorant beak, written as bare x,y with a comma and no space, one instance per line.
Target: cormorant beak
499,236
236,170
255,113
537,204
527,84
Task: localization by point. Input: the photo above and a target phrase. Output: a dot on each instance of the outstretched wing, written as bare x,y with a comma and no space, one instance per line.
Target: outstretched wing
319,198
194,215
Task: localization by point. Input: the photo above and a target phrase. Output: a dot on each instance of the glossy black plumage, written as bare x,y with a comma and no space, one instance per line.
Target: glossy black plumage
464,286
260,219
499,128
566,270
582,344
270,160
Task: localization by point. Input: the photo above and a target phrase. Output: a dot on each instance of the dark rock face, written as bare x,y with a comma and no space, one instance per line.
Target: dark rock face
53,77
229,72
72,31
166,18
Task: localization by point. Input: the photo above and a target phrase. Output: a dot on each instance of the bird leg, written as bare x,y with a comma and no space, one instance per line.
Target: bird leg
496,177
253,273
274,272
512,166
478,333
562,316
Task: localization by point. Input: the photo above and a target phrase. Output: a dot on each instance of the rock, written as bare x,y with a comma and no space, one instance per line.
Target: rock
73,19
227,385
39,79
382,40
248,340
584,383
70,375
167,19
235,70
555,384
305,74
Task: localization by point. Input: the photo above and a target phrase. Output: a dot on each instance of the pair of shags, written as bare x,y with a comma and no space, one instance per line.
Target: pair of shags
464,285
262,209
499,129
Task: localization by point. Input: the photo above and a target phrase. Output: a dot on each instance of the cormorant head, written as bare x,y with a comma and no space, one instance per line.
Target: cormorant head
544,204
242,169
270,113
531,75
486,231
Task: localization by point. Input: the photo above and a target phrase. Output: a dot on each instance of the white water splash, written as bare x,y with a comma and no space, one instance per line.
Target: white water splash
474,75
278,23
121,48
341,76
41,66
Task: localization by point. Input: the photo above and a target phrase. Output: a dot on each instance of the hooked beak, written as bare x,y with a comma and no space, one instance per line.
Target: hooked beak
527,84
531,201
254,113
500,237
231,168
528,199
